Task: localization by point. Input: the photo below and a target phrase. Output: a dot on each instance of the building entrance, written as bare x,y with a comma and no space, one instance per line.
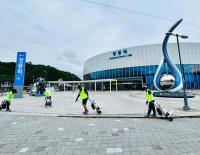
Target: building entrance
130,84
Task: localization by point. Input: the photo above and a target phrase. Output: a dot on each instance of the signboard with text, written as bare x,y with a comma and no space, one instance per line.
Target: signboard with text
120,54
19,73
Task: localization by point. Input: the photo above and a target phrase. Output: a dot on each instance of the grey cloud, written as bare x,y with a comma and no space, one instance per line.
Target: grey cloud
70,56
65,33
43,30
12,11
69,53
77,70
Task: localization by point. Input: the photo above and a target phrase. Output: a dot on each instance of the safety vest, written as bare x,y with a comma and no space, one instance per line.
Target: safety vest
83,94
149,97
47,93
9,96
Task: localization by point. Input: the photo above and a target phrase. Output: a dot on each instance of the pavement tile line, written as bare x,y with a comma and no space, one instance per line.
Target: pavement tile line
115,129
93,115
79,139
60,129
23,150
126,129
101,116
113,150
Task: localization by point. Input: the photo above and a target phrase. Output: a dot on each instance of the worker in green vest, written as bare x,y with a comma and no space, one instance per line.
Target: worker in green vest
150,102
83,94
9,98
47,95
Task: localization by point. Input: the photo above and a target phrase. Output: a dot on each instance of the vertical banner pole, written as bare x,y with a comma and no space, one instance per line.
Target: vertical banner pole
19,74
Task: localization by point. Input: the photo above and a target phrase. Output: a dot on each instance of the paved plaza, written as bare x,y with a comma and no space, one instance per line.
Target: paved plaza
33,129
35,135
122,103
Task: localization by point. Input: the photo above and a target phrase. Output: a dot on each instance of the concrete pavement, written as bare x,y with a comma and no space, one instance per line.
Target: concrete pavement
122,103
33,129
40,135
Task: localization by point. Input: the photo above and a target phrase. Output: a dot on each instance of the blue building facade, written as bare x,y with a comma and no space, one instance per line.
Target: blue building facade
139,64
146,74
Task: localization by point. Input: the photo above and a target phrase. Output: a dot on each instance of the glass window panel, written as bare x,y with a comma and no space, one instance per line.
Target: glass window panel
139,69
143,69
198,77
131,72
195,78
135,71
191,77
124,72
121,72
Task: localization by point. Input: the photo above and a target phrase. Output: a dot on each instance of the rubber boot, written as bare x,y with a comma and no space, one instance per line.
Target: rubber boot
85,112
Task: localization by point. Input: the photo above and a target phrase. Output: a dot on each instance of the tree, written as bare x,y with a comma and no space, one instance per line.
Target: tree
7,72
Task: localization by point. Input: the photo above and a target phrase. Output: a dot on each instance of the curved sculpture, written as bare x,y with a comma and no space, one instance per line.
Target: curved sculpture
166,60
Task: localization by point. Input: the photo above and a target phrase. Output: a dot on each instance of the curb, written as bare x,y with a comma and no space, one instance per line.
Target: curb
102,116
138,116
196,116
123,116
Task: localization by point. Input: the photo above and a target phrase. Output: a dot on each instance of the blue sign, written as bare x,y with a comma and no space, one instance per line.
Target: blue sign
20,69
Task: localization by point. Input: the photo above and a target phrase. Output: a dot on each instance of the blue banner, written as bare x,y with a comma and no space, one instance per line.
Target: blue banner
20,69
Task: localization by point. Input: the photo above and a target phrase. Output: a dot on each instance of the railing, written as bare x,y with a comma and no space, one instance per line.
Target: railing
5,89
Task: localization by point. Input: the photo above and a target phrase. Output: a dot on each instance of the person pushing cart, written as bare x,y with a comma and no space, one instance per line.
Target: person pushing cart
83,94
150,102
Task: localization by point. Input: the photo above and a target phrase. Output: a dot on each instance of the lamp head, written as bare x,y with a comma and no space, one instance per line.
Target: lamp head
184,37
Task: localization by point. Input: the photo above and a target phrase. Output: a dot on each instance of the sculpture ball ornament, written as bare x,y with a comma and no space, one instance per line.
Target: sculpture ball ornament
164,82
167,81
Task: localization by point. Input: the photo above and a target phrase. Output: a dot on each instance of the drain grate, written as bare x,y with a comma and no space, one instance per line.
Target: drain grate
43,137
121,131
102,132
64,139
84,133
156,147
115,134
38,132
2,145
40,148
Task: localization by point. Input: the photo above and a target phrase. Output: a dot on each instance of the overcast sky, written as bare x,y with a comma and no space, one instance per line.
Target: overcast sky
65,33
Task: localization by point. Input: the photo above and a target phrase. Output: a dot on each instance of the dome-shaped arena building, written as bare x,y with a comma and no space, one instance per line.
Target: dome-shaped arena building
136,66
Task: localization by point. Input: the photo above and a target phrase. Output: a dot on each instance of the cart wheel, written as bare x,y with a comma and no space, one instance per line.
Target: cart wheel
170,118
98,112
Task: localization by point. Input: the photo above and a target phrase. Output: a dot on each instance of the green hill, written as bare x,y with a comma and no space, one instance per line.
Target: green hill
7,72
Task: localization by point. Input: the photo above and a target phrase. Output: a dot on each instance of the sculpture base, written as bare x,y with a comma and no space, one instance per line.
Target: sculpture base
173,94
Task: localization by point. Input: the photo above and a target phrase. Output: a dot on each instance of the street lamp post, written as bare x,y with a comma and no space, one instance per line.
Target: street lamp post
45,75
185,107
33,79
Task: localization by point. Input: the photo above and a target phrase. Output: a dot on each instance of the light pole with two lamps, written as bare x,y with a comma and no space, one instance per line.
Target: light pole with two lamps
185,107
